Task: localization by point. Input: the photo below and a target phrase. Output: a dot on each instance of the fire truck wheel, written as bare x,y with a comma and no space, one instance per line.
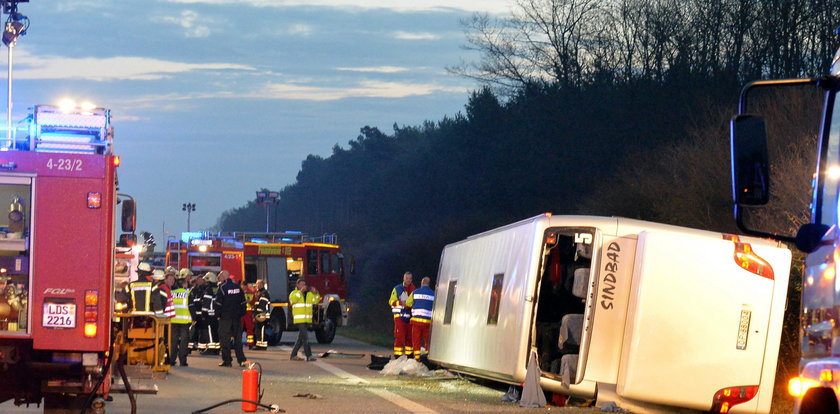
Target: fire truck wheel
326,332
819,400
278,325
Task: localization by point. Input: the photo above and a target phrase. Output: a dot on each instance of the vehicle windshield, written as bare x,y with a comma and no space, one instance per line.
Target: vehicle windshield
830,168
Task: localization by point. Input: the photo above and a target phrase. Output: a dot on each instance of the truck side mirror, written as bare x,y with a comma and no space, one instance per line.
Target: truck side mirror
809,236
750,162
129,215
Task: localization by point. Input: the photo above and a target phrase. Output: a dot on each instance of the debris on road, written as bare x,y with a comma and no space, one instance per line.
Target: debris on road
308,395
377,362
611,407
341,355
405,366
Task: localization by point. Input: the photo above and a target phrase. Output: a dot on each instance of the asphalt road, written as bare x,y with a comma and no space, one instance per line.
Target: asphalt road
337,385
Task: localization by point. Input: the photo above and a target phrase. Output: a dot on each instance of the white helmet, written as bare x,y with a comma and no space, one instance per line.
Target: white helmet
158,274
144,267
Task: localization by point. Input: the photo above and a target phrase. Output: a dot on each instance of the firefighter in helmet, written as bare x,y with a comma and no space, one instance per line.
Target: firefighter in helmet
261,315
208,309
144,295
164,284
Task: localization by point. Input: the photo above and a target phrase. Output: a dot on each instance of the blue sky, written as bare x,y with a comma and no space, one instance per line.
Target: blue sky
215,99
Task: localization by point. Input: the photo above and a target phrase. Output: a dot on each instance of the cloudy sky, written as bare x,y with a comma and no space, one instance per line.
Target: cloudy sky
215,99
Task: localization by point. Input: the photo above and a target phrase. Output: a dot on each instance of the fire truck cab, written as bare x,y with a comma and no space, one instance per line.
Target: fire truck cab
279,259
57,237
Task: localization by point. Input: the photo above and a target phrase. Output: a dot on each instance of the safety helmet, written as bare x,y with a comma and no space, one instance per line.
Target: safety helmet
144,267
211,277
158,274
185,273
170,270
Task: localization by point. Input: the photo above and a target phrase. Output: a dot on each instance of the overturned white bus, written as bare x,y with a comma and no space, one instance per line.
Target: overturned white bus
650,316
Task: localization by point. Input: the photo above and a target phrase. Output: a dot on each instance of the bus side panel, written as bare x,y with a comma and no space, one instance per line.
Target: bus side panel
72,250
469,342
686,336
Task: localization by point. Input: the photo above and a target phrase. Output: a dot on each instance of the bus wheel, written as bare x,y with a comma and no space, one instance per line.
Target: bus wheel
326,332
277,322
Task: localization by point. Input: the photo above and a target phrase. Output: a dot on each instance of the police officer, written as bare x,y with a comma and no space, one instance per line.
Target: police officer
181,322
261,316
402,316
208,308
421,303
231,308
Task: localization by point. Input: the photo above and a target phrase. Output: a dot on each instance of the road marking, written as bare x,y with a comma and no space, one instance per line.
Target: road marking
398,400
402,401
338,372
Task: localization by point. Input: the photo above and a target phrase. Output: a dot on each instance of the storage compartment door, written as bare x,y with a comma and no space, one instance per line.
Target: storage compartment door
278,285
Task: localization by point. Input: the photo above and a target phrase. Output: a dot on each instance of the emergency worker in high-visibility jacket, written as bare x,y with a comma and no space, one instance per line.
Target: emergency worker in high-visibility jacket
179,345
144,296
302,300
248,319
421,302
402,316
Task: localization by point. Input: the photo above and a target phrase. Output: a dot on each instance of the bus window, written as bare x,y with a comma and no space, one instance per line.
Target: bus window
325,262
495,299
311,262
450,302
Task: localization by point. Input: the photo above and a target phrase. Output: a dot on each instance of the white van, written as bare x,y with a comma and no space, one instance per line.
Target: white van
650,316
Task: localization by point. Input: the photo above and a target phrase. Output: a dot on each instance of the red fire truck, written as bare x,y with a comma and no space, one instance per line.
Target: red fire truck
58,187
279,259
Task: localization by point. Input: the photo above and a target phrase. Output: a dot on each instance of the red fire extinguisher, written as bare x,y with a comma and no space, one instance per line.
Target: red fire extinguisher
250,388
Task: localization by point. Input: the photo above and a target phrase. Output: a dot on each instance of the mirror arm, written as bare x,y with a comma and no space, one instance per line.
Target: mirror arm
739,220
742,101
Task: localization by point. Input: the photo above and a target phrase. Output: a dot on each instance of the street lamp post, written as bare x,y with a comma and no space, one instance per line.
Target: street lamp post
189,208
15,27
267,198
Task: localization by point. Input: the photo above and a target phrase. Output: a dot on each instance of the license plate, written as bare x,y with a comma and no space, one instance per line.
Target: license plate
743,330
59,315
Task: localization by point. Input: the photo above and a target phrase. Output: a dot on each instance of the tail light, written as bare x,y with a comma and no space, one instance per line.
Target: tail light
91,312
729,397
746,258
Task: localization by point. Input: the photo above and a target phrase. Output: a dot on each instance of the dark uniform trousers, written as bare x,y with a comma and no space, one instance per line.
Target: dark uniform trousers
231,328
